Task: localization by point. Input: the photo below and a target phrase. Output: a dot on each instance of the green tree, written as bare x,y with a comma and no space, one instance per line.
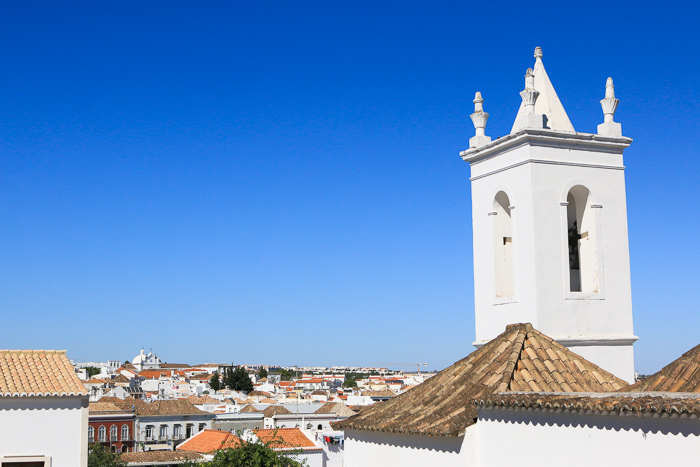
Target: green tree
214,382
349,383
256,454
262,373
91,371
100,456
285,375
237,379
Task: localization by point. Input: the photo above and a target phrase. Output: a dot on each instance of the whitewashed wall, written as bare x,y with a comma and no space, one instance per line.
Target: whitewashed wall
46,426
557,439
367,449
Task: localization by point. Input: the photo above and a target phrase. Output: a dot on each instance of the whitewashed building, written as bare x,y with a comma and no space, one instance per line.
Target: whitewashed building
43,410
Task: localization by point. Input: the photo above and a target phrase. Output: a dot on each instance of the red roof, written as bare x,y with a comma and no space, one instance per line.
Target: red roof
207,441
286,438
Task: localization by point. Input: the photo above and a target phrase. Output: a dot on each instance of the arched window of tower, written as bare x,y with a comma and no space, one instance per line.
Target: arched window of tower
503,246
582,242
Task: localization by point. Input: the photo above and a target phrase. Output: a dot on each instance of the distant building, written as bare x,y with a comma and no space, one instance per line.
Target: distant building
145,361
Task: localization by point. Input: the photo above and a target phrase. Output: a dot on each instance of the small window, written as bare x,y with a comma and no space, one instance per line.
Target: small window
102,434
202,426
33,461
149,432
320,427
113,433
177,431
125,432
91,434
163,431
503,246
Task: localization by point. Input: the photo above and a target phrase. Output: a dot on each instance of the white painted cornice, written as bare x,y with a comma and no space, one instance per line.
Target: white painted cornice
545,137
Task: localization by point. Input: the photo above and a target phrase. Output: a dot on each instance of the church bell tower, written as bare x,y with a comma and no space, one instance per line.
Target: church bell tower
550,227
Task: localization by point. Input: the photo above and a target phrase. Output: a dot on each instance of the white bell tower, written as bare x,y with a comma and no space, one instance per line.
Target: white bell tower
550,227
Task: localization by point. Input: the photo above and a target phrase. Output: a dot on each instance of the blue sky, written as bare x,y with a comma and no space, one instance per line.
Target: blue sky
279,182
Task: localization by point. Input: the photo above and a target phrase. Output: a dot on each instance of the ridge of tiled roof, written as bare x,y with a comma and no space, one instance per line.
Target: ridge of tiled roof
337,408
26,373
681,375
249,408
520,359
609,403
275,410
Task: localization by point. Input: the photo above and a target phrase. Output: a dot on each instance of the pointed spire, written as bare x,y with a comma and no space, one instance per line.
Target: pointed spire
479,119
547,102
609,127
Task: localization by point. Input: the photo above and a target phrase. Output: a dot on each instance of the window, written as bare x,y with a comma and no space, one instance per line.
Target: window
503,246
125,432
113,433
91,434
163,431
202,426
149,432
581,240
32,461
177,431
102,434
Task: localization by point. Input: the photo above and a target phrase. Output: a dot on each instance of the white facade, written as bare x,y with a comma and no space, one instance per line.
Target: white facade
551,247
45,427
372,448
556,439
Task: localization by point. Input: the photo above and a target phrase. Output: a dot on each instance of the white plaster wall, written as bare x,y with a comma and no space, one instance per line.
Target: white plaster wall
46,426
536,177
556,439
367,449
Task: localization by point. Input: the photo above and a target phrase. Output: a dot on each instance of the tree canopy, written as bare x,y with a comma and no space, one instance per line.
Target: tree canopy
214,382
349,383
262,373
237,379
100,456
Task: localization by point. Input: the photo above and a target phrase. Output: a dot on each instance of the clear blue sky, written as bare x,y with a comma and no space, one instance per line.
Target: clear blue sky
279,182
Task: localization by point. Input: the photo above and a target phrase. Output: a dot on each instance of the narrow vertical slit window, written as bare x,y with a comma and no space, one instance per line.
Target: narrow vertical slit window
581,239
503,246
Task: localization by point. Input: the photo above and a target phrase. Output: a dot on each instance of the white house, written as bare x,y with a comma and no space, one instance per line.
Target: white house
43,410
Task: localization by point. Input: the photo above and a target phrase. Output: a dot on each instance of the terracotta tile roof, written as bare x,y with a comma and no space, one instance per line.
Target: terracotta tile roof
174,366
267,400
249,408
681,375
159,457
319,392
205,399
104,406
120,379
38,373
96,381
169,407
258,394
520,359
208,441
286,438
639,402
337,408
275,410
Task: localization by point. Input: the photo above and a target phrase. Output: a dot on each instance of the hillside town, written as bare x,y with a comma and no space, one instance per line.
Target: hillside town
553,364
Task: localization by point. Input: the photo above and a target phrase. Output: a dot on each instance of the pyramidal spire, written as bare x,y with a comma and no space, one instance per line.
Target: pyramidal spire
547,103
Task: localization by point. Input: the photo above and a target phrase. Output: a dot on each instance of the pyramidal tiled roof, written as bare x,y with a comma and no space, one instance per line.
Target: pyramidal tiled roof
681,375
38,373
520,359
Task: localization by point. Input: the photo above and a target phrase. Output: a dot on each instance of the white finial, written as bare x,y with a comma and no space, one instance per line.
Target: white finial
609,127
538,52
479,118
529,94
